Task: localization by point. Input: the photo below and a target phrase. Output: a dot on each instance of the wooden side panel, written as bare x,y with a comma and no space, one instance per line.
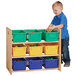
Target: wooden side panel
59,50
9,49
59,54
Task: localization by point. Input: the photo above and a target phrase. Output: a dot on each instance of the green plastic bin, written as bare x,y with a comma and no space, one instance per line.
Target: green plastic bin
51,36
33,37
41,30
29,31
19,36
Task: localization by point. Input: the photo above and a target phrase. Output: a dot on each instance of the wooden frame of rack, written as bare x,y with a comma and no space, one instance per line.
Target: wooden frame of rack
9,57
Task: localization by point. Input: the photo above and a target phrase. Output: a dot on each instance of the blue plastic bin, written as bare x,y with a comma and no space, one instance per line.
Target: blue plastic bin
51,63
19,65
35,63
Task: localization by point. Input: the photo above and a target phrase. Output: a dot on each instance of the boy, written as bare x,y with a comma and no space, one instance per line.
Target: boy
60,21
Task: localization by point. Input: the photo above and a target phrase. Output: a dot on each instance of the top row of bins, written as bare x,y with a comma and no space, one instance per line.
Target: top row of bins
34,35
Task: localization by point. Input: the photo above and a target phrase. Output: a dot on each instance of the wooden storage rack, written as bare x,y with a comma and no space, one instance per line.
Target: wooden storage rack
9,56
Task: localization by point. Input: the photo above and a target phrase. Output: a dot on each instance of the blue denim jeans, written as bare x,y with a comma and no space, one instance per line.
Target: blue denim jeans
65,50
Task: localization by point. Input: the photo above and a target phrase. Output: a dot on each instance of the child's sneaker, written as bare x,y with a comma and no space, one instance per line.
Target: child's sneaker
67,64
61,62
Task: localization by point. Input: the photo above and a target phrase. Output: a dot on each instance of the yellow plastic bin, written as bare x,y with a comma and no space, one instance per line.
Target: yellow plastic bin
51,50
19,51
35,50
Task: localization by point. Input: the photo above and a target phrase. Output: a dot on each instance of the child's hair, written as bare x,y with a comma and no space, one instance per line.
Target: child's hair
58,3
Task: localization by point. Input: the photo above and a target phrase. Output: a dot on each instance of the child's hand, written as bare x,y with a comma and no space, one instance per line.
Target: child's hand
50,26
53,27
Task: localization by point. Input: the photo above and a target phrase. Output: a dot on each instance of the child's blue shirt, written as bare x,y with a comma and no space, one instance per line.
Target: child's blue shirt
61,19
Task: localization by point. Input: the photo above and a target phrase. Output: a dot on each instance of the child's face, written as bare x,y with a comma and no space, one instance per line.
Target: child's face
57,10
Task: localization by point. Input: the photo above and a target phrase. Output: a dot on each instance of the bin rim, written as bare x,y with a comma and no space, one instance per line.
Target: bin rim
51,45
20,47
52,32
33,58
50,59
18,58
23,32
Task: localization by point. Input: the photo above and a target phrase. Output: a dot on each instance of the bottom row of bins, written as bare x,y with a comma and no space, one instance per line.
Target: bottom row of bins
34,63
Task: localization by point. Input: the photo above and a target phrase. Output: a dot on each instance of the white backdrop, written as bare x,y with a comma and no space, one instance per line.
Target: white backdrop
35,14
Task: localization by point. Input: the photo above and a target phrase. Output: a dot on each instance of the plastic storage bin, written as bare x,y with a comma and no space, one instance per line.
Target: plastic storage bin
51,63
35,50
51,36
51,50
35,63
35,36
19,51
41,30
19,36
29,30
18,64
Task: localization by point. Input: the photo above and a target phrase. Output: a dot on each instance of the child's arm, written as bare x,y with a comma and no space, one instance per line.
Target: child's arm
57,26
